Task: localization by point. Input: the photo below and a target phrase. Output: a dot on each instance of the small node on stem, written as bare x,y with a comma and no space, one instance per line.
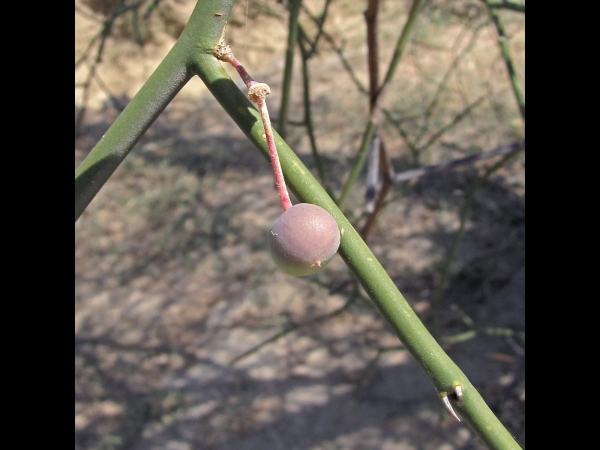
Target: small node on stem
258,92
222,51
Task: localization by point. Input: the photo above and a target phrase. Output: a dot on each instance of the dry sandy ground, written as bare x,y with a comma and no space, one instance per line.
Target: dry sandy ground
173,279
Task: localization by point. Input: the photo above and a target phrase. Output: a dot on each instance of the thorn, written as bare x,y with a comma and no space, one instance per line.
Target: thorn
444,398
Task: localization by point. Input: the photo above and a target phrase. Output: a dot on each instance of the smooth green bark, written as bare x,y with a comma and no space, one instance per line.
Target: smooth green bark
200,34
289,65
368,133
385,295
505,51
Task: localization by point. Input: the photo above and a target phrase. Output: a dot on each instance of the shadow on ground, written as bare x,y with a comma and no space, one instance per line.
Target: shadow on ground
173,281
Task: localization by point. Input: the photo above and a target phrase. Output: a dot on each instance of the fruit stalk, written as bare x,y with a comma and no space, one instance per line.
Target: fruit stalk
257,92
279,180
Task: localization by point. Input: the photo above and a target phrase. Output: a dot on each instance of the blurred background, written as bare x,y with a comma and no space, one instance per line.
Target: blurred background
186,334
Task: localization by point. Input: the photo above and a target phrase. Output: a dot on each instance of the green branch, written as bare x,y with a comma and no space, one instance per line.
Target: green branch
361,261
460,116
320,22
308,115
401,44
463,216
445,79
510,67
296,326
289,65
374,101
192,54
358,164
200,35
505,4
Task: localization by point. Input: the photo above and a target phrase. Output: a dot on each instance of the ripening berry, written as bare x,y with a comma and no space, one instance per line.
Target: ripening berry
303,239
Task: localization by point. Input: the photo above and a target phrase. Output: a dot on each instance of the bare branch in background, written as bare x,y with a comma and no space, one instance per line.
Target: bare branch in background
426,170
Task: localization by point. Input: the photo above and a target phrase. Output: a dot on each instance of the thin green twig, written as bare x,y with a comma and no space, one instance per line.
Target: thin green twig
444,81
320,21
371,15
463,216
308,117
475,330
296,326
358,164
400,45
199,36
374,101
443,373
505,51
193,53
363,90
455,121
505,4
371,366
289,65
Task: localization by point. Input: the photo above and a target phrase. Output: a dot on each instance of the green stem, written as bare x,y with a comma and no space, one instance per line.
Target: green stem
460,116
358,164
442,85
361,261
320,22
374,100
401,44
308,117
464,214
505,4
124,133
200,35
295,326
289,65
193,54
503,42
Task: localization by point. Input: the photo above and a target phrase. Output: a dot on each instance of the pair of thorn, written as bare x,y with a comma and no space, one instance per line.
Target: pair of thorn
456,394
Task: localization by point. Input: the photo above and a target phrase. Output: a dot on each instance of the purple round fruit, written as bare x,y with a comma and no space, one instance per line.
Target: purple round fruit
303,239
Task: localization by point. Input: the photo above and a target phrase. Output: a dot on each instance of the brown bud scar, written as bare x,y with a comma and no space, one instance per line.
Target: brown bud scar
258,92
222,51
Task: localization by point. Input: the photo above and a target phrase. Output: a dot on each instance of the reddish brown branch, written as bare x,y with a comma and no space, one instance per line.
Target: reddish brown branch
373,51
387,170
